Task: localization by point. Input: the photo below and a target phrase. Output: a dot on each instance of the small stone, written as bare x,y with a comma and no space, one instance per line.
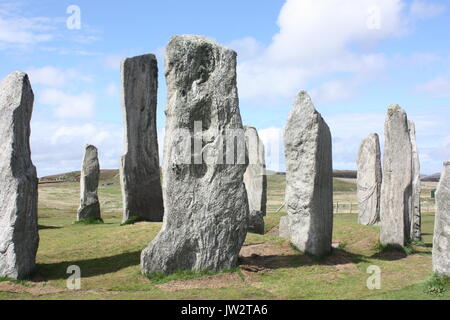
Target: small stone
19,237
255,180
309,182
369,178
90,175
441,238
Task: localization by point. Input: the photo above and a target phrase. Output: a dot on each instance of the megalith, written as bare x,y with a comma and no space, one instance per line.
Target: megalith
396,187
139,170
441,238
89,178
369,180
416,215
309,182
19,238
255,180
206,206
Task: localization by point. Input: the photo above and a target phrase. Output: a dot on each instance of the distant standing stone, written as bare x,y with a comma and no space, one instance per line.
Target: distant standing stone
284,228
369,180
396,188
255,181
441,239
416,215
139,171
90,175
206,217
309,184
19,238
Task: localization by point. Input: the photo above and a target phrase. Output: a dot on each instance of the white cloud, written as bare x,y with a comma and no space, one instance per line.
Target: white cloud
424,10
112,89
439,86
68,106
246,48
54,77
59,147
316,40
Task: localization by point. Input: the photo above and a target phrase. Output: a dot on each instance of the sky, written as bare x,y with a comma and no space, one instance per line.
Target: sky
355,58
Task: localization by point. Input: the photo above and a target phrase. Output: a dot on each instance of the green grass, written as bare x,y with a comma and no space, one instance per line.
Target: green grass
108,255
89,221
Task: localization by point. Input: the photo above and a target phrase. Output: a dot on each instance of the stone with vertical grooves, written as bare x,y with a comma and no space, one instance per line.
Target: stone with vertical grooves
255,180
396,188
19,237
309,184
139,170
369,180
206,206
416,215
89,178
441,238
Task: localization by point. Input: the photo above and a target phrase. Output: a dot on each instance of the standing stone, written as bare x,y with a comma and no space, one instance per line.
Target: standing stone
255,181
416,216
19,238
309,184
139,171
206,217
369,180
90,175
396,188
441,239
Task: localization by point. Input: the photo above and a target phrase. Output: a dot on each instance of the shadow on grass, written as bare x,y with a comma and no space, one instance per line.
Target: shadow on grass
90,267
41,227
338,257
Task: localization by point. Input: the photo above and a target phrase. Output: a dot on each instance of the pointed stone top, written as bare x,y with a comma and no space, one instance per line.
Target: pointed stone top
303,101
446,163
12,88
395,109
91,146
196,39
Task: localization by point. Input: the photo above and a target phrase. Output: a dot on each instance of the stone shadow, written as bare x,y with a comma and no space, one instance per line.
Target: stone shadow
89,267
42,227
337,257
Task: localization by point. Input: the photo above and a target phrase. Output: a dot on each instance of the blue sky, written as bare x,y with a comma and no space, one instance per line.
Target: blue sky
354,58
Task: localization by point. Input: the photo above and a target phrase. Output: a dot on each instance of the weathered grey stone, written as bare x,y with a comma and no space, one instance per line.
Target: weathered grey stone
396,188
206,206
90,175
284,228
139,171
19,238
441,238
309,184
255,180
416,215
369,180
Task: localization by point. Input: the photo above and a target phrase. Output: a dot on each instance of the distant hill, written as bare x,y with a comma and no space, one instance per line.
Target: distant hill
431,178
74,176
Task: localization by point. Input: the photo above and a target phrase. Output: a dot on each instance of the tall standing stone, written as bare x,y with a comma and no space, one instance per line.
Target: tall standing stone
255,180
139,171
416,216
309,182
19,238
369,180
90,175
206,206
396,188
441,239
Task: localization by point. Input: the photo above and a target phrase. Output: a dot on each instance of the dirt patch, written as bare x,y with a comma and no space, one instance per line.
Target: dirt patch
35,290
218,281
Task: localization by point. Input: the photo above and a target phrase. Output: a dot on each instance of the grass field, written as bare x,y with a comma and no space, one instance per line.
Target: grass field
108,256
